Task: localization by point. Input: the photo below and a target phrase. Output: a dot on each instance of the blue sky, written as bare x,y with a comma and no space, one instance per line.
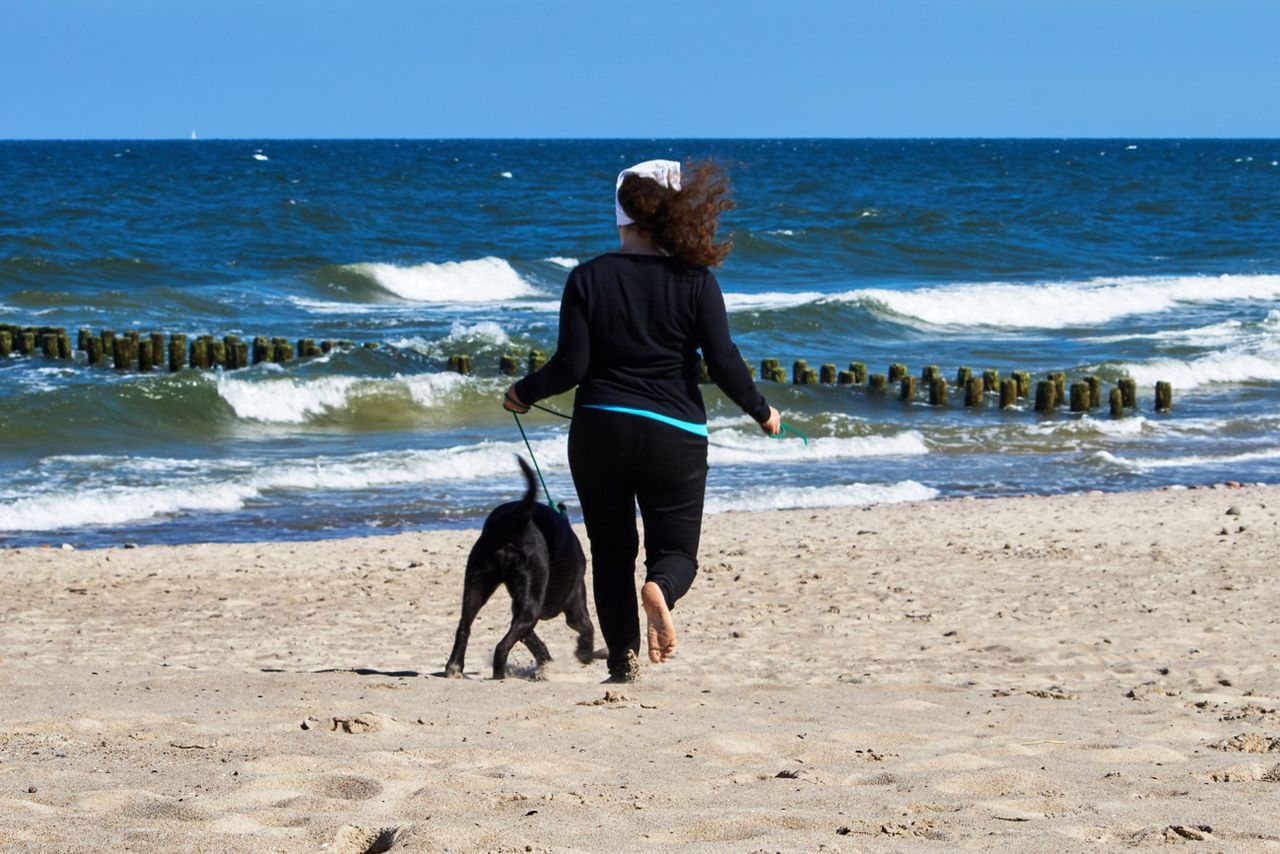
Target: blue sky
599,68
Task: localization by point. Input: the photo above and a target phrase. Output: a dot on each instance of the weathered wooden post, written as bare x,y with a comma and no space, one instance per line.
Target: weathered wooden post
828,374
768,367
27,343
798,367
1024,382
1095,391
779,375
283,350
751,369
145,354
877,383
1046,396
859,371
242,354
65,350
845,378
229,343
810,376
263,350
460,363
928,374
537,358
1059,379
93,346
704,376
963,375
124,352
508,365
158,352
938,391
82,340
108,343
907,389
326,346
6,343
371,345
1164,396
1117,403
1129,391
177,352
896,372
49,345
1079,396
200,353
973,390
991,380
217,352
1008,393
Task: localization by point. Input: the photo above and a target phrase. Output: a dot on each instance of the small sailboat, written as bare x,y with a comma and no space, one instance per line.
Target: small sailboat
193,134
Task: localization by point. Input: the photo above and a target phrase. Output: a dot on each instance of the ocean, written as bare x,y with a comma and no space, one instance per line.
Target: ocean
1153,259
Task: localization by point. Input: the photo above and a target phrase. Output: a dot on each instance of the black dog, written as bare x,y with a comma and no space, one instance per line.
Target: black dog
529,547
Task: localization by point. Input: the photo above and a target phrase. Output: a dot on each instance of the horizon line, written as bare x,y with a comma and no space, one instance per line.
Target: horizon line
956,138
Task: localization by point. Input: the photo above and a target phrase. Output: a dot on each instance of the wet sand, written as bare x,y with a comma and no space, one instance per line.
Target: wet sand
1052,673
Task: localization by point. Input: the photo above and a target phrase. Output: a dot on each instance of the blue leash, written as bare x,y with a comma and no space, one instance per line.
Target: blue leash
781,434
551,501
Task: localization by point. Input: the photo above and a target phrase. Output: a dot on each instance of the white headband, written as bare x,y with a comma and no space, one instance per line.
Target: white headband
665,172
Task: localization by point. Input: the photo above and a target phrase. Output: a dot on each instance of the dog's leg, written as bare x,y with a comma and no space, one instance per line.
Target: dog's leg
578,618
477,593
521,627
541,654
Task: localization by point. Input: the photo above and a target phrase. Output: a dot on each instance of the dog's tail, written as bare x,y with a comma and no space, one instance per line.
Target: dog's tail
531,491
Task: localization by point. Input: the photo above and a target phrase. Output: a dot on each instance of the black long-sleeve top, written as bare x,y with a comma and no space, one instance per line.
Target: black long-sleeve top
630,330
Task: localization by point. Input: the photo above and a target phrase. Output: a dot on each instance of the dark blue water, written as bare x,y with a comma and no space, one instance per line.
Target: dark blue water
1154,259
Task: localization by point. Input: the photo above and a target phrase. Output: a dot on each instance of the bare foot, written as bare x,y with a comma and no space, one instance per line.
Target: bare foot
662,632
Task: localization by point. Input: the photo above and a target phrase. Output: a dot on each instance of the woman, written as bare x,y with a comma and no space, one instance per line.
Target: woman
631,325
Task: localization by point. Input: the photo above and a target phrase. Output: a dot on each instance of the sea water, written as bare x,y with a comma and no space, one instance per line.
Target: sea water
1155,259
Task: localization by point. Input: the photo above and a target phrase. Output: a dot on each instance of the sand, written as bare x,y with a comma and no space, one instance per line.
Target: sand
1049,673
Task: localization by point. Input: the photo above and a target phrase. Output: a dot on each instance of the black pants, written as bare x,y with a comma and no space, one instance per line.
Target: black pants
619,460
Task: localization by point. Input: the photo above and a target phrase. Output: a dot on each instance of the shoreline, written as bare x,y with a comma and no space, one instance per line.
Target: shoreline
474,523
1068,670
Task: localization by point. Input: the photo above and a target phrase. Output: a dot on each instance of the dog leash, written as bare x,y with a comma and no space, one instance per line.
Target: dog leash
785,428
536,467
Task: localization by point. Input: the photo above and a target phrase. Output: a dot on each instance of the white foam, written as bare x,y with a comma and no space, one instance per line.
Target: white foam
284,400
1231,366
1032,306
1134,426
480,280
289,400
260,156
428,390
505,174
203,486
845,495
1200,336
782,232
1192,461
118,505
315,306
734,448
560,261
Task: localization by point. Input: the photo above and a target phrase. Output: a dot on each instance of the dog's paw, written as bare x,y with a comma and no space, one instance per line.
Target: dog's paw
453,671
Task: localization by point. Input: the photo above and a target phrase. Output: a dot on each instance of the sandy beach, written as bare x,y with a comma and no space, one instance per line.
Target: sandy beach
1048,673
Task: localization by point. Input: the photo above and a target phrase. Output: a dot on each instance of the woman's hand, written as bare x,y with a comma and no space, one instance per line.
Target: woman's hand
512,403
773,426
